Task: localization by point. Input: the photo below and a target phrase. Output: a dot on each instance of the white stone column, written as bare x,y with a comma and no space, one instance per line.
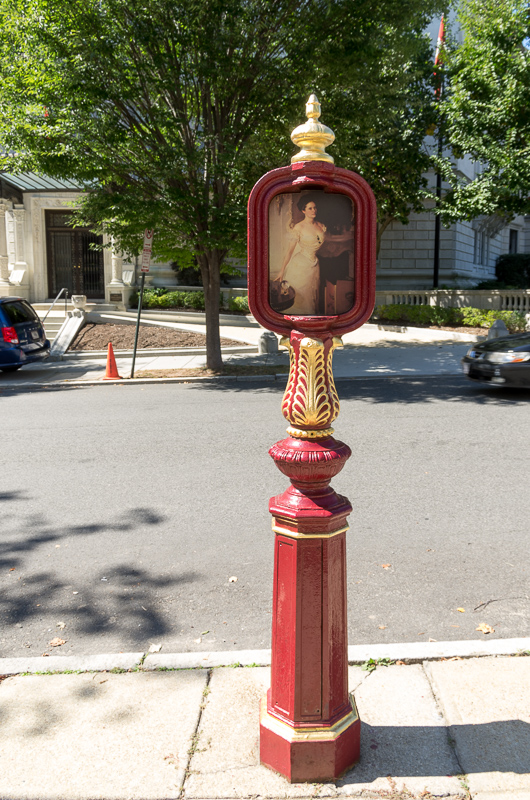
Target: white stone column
4,270
20,255
115,291
7,289
117,266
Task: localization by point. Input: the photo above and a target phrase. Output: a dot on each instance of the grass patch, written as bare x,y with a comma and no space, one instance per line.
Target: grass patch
373,663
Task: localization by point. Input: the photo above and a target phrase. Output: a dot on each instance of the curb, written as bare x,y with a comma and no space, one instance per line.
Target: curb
409,652
98,663
63,382
280,376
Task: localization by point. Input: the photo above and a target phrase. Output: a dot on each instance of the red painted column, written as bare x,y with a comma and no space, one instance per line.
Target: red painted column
309,727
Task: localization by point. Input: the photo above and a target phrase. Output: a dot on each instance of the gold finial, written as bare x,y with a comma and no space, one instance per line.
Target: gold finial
312,137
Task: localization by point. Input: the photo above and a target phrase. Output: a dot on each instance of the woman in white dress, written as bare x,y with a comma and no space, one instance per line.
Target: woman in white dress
300,266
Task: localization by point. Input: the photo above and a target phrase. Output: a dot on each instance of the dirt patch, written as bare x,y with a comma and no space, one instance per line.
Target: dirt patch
150,337
228,369
463,329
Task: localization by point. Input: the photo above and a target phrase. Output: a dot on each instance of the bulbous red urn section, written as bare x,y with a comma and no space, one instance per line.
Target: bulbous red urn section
309,501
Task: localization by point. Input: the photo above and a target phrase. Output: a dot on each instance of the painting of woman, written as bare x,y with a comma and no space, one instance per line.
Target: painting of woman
300,267
311,253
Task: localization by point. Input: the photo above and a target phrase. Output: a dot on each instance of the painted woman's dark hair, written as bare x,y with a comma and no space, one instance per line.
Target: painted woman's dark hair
305,199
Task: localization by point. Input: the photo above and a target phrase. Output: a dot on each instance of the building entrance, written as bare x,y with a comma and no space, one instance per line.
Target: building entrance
72,263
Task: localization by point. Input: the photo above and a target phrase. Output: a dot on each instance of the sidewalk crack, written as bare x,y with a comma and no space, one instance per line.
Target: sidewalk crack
194,744
462,777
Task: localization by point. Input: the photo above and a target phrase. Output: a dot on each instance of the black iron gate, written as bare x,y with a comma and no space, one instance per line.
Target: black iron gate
72,263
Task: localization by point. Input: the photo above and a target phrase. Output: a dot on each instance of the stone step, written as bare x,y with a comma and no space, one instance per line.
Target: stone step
42,308
53,326
56,317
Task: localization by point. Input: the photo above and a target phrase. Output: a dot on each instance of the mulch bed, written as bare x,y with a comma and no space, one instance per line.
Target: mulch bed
98,336
228,369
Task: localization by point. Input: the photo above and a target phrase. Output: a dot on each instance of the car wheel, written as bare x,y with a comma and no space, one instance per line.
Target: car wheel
10,369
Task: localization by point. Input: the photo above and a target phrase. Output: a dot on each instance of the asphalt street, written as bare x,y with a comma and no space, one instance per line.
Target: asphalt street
127,512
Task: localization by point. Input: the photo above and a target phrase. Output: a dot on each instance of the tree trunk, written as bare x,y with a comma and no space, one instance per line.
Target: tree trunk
382,225
211,280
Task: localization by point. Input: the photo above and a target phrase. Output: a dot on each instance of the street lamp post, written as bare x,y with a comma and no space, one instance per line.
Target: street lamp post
311,279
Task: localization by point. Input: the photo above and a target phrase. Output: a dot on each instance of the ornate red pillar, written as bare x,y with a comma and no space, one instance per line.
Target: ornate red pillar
309,726
310,729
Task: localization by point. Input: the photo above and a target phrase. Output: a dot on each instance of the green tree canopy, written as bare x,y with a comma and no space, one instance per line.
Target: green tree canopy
171,109
486,111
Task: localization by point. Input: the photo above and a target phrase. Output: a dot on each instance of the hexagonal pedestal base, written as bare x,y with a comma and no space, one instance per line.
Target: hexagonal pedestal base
313,755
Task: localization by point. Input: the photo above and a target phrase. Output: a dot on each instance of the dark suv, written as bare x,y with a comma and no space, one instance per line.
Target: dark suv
22,336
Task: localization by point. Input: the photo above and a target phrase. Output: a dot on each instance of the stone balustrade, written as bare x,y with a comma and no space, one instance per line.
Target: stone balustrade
498,299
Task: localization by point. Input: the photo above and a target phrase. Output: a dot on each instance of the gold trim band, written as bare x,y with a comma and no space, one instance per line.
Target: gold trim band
297,535
298,433
307,734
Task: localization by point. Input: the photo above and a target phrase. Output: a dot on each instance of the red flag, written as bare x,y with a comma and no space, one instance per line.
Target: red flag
438,57
440,42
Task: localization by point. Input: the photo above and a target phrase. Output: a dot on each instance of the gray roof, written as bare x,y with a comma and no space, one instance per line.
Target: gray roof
31,182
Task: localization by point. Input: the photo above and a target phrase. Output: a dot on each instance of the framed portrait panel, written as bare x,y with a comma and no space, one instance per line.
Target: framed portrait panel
311,253
311,249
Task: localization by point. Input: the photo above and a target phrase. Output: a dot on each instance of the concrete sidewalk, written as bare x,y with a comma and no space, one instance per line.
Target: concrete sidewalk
370,351
441,728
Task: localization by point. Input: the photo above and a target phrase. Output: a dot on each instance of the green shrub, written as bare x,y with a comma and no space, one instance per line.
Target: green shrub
156,297
513,269
148,292
417,315
239,303
177,299
493,284
482,318
434,315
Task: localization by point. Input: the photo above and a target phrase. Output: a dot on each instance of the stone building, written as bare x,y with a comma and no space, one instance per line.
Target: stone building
41,253
468,250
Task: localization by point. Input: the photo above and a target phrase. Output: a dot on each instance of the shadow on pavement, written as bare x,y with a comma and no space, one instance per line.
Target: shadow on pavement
35,531
414,751
125,607
54,376
395,389
428,389
123,600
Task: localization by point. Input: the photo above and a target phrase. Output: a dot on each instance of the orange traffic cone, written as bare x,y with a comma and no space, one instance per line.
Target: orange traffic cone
112,370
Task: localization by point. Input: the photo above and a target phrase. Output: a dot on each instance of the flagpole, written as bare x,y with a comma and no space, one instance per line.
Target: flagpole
437,218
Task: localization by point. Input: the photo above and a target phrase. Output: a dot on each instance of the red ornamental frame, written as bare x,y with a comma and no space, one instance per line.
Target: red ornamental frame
295,178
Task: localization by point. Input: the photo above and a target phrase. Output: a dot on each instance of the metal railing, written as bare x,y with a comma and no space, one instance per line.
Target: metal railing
52,305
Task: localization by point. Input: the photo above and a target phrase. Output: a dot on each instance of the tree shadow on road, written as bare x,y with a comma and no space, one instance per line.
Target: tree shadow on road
432,388
120,601
40,380
390,389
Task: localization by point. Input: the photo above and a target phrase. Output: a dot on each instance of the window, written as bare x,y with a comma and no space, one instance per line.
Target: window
477,249
481,249
514,241
19,312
